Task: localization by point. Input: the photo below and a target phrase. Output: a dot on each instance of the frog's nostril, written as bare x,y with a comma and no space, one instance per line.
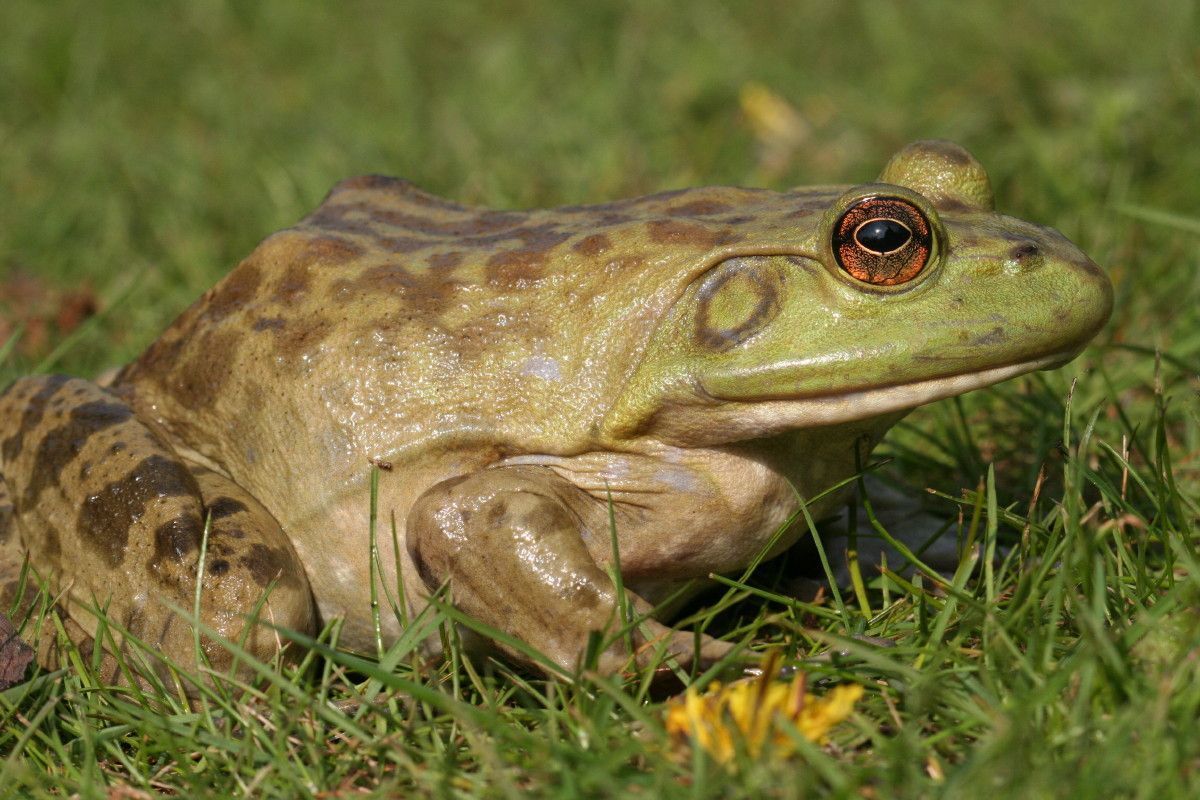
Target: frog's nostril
1024,251
1025,255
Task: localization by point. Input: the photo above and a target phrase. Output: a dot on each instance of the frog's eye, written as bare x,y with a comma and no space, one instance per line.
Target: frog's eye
883,241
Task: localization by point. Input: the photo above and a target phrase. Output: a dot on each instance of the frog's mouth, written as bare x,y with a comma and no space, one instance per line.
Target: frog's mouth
762,416
872,402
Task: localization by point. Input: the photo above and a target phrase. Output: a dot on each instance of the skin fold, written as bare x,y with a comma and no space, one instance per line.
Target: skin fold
681,369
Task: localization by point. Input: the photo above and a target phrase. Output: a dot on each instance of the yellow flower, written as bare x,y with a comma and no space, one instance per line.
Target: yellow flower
749,714
775,121
778,127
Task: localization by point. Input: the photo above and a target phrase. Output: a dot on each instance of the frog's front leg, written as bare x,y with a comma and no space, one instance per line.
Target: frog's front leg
509,543
114,519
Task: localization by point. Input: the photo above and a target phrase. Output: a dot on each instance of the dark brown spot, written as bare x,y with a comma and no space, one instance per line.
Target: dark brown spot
197,381
7,524
238,289
10,591
265,564
62,445
800,213
177,539
497,514
225,507
390,278
428,576
653,199
105,518
464,227
953,204
160,357
675,232
293,284
545,516
332,250
338,218
426,290
400,245
593,245
445,260
218,567
49,546
34,408
698,208
536,238
303,337
994,336
515,267
541,238
610,219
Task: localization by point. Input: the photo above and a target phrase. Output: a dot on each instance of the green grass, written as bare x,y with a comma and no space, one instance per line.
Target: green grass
144,148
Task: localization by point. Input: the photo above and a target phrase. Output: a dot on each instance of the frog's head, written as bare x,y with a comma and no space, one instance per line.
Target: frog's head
903,291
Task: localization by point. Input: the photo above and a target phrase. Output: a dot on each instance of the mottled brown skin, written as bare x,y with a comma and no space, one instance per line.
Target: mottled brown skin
512,373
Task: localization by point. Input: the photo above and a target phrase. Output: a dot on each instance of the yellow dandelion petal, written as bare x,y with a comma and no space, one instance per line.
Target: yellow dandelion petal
754,715
819,716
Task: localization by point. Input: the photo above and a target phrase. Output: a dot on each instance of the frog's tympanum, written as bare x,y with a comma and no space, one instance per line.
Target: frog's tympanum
673,372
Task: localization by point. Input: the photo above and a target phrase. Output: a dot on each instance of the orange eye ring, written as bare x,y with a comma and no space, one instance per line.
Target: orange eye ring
883,241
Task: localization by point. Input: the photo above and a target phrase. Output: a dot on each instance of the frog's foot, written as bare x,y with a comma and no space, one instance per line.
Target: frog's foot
114,519
929,537
508,541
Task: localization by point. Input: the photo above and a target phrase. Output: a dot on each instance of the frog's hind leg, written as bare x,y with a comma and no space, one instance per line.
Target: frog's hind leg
11,555
114,519
25,606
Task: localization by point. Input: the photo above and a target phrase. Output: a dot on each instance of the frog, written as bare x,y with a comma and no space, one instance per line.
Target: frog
551,422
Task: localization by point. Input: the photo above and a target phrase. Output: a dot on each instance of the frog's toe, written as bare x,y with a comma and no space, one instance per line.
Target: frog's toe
687,649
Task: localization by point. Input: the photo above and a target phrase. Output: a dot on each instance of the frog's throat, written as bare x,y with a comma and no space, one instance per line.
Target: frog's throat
719,420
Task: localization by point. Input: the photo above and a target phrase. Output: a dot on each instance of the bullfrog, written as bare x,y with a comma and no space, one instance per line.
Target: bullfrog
545,397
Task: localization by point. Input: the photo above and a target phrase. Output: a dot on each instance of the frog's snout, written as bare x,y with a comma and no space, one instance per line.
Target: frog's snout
1085,288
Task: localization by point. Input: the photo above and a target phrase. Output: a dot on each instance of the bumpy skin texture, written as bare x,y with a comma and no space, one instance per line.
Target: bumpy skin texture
696,356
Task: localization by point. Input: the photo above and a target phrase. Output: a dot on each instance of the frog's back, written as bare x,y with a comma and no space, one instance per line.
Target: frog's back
390,322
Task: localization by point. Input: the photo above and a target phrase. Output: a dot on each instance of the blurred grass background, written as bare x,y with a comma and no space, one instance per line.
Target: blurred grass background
146,147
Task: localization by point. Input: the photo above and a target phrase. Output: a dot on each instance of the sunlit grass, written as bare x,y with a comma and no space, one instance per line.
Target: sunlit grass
146,148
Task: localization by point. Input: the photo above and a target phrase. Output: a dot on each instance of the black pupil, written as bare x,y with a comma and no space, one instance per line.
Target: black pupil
883,235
